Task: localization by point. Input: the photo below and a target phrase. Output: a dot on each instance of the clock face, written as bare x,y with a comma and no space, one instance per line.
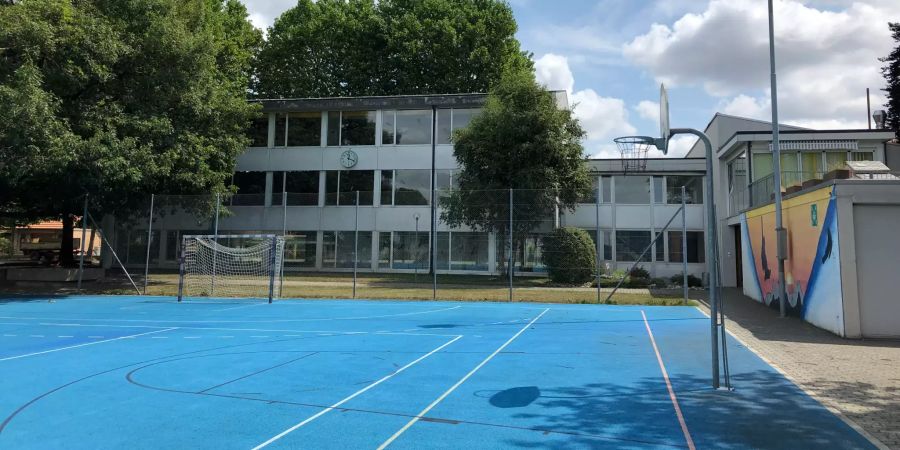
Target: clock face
349,159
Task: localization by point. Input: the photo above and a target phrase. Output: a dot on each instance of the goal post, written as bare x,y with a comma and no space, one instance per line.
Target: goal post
230,265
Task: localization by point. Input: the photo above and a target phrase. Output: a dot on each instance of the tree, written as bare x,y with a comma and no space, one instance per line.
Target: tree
390,47
119,99
891,72
522,141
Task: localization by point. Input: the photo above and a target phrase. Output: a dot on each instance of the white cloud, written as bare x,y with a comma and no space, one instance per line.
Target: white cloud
603,118
264,12
826,58
680,145
648,110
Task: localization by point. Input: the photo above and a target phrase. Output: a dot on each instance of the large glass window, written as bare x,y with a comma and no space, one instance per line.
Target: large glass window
811,165
762,165
693,189
632,189
339,248
412,187
280,129
462,251
863,156
410,250
790,169
406,127
304,129
341,187
357,127
251,189
445,181
658,196
591,197
259,132
695,247
300,249
606,240
530,255
387,187
302,188
131,246
630,244
173,243
334,128
452,120
835,160
606,189
659,247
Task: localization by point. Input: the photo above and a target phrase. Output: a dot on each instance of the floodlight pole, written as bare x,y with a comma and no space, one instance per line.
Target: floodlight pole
712,250
780,232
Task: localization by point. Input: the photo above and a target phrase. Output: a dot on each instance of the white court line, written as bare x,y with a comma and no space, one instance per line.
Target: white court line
662,367
320,319
85,344
458,383
354,395
239,307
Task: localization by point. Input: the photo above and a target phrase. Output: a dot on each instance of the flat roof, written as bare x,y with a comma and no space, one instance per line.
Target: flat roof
472,100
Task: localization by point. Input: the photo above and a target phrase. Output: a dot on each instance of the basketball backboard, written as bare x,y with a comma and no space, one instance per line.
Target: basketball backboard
663,142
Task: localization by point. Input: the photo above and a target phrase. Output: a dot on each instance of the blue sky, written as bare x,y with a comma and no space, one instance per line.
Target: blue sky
611,55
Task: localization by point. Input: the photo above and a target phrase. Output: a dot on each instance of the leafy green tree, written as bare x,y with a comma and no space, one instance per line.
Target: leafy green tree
523,141
389,47
118,99
570,255
891,72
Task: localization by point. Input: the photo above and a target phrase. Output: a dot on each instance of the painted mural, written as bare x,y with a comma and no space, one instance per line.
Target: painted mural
812,267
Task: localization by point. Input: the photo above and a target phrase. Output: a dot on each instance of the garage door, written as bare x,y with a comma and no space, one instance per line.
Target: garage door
877,268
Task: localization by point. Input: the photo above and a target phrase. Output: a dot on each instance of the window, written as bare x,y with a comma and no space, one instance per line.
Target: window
695,247
338,248
762,165
304,129
406,127
410,250
412,187
251,189
302,188
384,250
630,244
280,129
341,187
737,173
387,187
606,189
357,128
131,246
658,190
606,238
259,132
334,128
811,165
530,256
173,243
693,189
591,197
790,169
863,156
445,182
452,120
660,248
300,249
462,251
835,160
632,189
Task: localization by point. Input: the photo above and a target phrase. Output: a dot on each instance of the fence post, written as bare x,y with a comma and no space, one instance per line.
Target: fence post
599,239
684,273
283,231
84,220
356,245
511,258
273,251
212,290
149,241
181,269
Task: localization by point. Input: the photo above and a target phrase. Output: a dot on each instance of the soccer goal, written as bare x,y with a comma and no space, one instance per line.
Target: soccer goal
232,265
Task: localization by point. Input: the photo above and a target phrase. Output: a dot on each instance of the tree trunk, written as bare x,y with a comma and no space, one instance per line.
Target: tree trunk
66,257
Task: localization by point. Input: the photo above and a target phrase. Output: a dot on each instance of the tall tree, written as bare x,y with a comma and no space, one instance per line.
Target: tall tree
118,99
388,47
522,141
891,72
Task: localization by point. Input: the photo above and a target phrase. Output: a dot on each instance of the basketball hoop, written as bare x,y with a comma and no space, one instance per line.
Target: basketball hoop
634,151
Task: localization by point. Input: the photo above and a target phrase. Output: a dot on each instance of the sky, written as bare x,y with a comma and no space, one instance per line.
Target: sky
713,56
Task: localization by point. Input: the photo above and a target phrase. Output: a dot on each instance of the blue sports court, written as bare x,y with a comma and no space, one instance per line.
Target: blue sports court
147,372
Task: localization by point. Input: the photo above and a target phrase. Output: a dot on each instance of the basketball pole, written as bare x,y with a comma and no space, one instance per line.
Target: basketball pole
684,275
712,251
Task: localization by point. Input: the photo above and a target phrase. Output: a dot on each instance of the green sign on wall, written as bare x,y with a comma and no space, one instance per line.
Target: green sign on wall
814,214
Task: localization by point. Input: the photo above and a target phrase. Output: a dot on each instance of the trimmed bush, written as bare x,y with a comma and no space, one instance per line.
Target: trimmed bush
639,272
659,282
693,281
570,256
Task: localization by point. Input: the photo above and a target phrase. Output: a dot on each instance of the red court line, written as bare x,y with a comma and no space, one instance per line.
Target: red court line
662,367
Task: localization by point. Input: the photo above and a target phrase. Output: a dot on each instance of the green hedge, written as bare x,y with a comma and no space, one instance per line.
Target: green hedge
570,256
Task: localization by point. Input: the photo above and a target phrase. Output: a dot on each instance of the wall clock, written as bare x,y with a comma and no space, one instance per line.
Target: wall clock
349,159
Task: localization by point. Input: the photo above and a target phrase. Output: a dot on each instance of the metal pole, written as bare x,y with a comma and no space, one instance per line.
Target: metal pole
512,260
416,256
868,108
599,239
273,252
780,233
712,259
283,229
356,245
181,270
84,220
684,275
149,241
212,290
433,258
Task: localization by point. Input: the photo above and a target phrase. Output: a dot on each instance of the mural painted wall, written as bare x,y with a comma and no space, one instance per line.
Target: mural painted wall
812,268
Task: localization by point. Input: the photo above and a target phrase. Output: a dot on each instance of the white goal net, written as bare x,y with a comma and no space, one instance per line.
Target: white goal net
231,266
